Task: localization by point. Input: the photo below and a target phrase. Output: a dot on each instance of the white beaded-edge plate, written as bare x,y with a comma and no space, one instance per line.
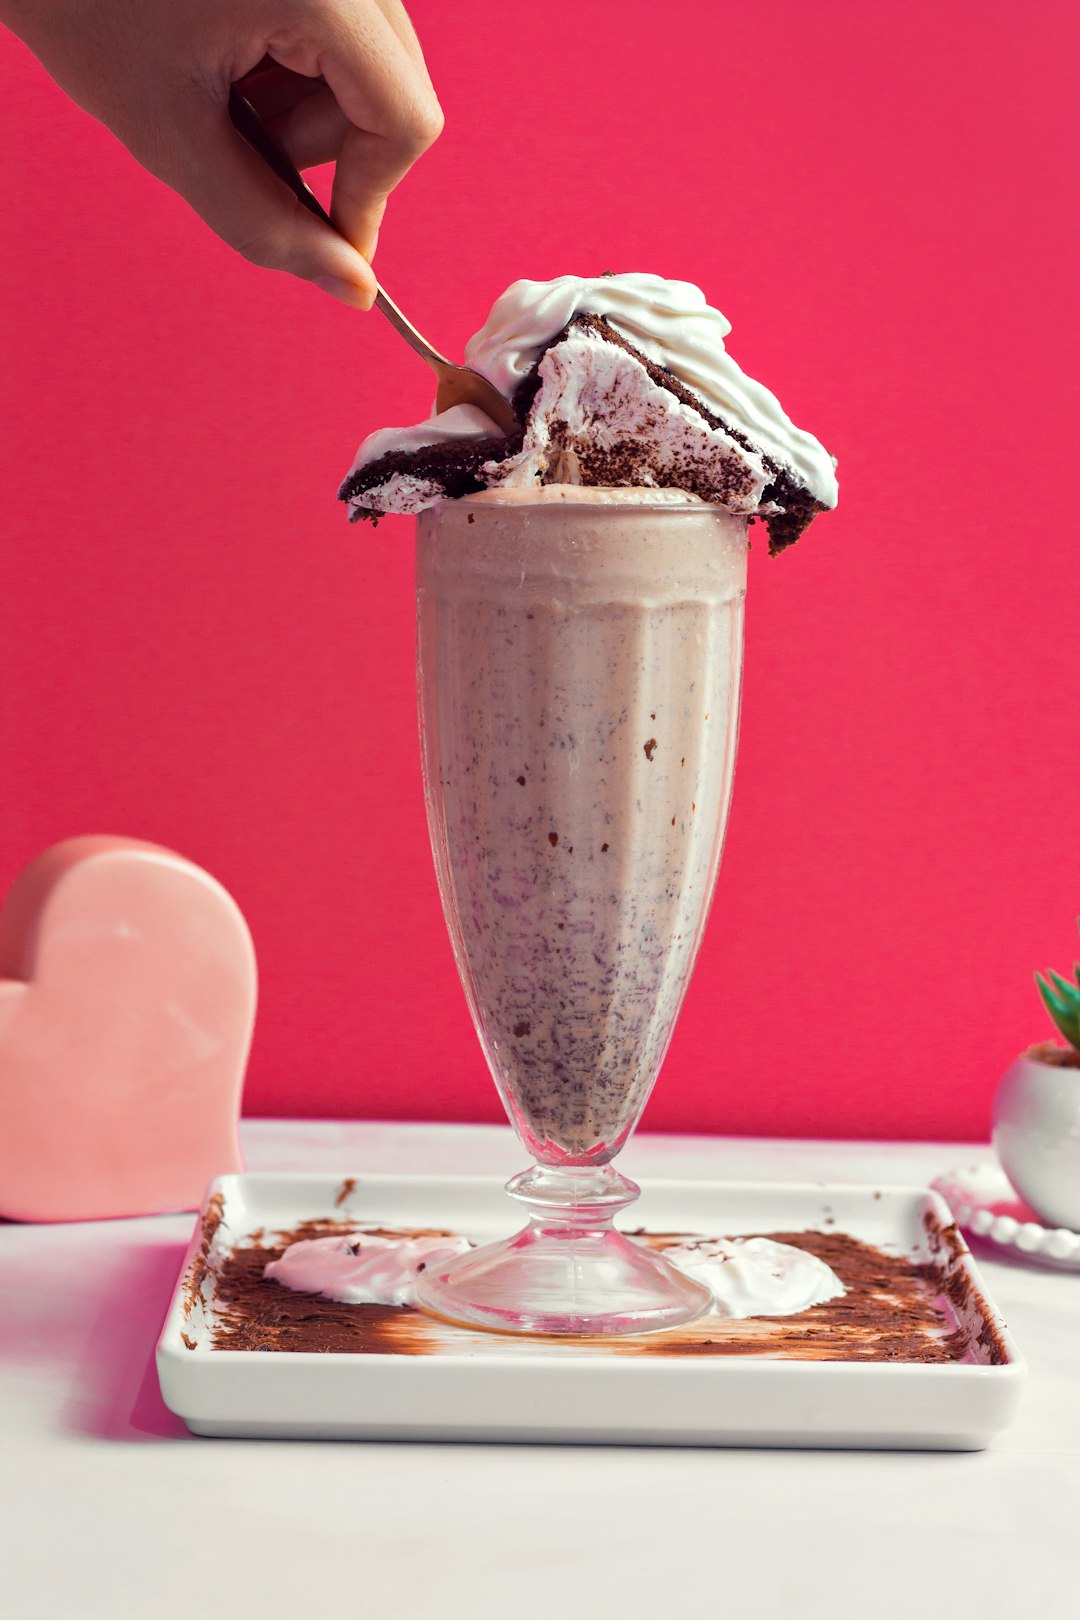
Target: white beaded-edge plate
985,1203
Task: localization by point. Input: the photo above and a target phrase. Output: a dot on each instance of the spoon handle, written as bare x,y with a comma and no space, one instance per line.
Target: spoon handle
408,331
247,121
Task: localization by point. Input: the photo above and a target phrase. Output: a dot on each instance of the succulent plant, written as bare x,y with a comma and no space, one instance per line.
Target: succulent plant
1062,1001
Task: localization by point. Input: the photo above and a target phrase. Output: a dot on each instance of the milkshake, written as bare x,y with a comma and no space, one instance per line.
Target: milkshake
580,653
580,585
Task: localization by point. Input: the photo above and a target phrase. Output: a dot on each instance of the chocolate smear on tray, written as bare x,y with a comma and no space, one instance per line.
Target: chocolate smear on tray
895,1309
965,1300
212,1218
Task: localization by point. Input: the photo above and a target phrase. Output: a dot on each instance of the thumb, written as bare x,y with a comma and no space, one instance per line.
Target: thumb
244,202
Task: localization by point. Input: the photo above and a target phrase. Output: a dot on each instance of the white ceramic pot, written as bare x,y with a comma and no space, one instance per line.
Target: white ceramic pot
1036,1132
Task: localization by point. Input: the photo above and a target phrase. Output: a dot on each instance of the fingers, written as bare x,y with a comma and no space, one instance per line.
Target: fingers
313,131
383,89
273,90
255,213
300,113
395,14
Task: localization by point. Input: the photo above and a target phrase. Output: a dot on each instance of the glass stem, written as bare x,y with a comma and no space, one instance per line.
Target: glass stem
579,1198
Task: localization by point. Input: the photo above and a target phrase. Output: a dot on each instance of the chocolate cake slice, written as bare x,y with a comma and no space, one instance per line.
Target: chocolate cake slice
441,471
594,410
786,506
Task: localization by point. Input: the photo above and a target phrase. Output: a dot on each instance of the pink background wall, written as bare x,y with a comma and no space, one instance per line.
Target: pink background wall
198,650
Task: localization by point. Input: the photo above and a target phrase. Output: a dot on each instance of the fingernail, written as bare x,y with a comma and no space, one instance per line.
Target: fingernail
370,254
347,291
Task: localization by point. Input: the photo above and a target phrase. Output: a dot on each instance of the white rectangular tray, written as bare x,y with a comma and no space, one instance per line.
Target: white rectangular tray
482,1386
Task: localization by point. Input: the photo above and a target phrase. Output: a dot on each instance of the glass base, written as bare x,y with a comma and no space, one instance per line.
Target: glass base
568,1272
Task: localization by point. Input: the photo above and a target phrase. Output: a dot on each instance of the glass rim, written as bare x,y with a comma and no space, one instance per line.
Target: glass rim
491,498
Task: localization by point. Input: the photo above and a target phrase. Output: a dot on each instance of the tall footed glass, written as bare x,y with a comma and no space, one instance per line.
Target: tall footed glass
579,661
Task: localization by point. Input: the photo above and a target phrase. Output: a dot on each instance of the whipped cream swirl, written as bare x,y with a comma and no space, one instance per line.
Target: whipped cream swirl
669,322
672,325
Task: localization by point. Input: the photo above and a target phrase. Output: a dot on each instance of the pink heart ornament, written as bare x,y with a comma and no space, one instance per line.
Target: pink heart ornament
127,1003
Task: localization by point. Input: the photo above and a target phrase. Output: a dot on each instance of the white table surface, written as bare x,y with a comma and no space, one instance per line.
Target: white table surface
108,1507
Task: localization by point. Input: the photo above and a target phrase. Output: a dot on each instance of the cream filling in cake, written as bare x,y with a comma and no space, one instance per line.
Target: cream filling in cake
599,418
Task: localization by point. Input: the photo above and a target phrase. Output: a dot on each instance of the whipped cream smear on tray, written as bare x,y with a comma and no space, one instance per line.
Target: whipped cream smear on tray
747,1276
580,753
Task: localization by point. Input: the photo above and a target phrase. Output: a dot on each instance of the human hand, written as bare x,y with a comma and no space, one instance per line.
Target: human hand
339,81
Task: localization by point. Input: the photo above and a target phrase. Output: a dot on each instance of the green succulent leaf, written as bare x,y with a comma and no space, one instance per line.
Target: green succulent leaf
1068,991
1063,1006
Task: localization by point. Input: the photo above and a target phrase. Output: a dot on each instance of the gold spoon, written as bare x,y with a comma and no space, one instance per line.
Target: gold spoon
458,385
